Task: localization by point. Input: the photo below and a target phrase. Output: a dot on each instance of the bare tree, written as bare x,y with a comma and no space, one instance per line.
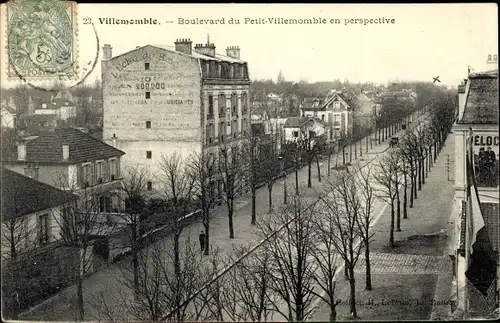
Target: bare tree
386,177
367,192
80,221
18,236
179,191
231,173
161,291
270,171
248,285
342,207
408,149
251,153
325,256
134,195
202,168
290,240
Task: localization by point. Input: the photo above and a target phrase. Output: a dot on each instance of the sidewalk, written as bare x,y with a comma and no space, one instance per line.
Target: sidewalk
63,305
413,280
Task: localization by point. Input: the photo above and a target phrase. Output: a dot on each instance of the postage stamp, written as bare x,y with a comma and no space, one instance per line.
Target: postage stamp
42,38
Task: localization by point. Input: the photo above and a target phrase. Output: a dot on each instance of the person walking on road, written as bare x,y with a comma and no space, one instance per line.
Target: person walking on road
202,240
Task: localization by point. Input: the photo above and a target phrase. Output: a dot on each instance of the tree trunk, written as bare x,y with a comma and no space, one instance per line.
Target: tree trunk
270,196
346,270
319,170
230,216
329,158
254,197
415,186
343,155
79,295
135,260
309,162
177,272
206,225
423,171
352,284
355,150
368,278
391,237
350,153
405,201
297,180
419,174
398,214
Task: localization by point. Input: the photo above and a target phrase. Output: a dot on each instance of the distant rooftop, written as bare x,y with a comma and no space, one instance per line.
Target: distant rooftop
481,106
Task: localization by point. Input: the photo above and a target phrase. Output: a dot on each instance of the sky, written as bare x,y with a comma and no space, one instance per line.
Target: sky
425,40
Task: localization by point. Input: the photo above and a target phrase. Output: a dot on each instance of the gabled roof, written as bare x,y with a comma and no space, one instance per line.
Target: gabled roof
297,122
47,148
22,195
481,105
336,96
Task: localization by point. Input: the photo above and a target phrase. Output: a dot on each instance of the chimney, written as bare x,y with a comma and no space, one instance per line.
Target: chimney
205,49
183,45
113,141
65,149
107,51
233,52
21,151
492,61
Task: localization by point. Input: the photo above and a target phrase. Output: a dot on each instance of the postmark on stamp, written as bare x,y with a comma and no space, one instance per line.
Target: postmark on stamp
42,39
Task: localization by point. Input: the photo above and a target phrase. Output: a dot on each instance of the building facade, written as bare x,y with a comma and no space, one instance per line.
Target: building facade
159,100
70,160
336,111
477,116
31,213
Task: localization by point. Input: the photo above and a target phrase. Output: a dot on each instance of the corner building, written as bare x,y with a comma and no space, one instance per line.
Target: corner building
158,100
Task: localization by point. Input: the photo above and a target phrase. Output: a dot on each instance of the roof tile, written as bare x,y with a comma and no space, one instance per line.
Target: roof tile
22,195
47,148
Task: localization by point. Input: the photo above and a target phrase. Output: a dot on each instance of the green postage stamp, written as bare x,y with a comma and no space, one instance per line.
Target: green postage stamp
42,38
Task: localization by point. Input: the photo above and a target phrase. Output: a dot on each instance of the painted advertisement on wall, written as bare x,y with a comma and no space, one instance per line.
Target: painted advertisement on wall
152,93
485,147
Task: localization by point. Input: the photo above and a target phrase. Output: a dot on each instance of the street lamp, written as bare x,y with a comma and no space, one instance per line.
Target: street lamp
283,172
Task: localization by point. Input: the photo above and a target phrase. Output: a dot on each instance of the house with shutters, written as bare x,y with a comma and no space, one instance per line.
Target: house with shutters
71,160
336,111
31,213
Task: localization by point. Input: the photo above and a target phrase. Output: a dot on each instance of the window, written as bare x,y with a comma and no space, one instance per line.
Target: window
99,172
43,229
113,169
219,70
149,154
323,117
336,105
244,103
232,71
296,134
87,174
150,186
146,66
234,103
210,133
148,124
104,204
210,105
222,104
148,95
234,128
207,69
